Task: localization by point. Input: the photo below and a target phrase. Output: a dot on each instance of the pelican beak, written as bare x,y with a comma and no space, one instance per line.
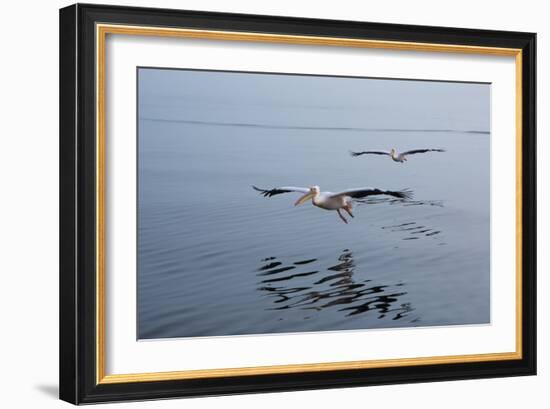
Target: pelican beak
304,198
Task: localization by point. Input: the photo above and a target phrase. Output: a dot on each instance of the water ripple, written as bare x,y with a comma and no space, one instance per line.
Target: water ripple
413,230
342,292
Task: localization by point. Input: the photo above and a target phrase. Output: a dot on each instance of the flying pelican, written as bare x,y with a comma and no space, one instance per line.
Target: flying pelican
332,201
396,157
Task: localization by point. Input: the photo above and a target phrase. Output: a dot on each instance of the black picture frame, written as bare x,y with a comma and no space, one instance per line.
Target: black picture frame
78,313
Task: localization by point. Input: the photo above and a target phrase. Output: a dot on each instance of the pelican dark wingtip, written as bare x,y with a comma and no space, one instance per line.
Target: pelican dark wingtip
405,194
263,192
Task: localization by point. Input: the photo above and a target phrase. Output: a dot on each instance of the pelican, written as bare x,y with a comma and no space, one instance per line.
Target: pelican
332,201
396,157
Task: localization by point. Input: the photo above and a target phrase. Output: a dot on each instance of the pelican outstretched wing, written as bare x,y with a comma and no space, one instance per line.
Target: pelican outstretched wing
280,190
352,153
362,192
422,151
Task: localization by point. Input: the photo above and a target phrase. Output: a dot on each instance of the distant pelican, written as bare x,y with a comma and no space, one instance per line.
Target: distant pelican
396,157
332,201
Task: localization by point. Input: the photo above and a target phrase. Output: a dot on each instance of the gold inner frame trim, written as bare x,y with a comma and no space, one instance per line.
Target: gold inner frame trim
101,33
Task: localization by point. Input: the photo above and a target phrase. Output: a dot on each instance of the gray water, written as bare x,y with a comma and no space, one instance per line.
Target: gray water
217,258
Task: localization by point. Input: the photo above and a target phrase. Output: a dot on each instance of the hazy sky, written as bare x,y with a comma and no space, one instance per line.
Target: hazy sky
312,101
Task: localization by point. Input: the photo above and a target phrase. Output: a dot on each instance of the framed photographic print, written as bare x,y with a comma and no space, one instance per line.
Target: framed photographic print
257,203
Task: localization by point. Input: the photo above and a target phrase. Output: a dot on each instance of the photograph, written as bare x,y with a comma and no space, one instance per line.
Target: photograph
271,202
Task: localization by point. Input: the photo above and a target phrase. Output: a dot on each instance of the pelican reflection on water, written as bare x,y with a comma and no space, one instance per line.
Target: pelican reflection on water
305,285
333,201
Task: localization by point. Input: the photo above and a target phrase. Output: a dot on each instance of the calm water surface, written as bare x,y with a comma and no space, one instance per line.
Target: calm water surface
217,258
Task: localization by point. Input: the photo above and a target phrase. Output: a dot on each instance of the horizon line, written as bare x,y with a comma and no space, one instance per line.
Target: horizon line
310,128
